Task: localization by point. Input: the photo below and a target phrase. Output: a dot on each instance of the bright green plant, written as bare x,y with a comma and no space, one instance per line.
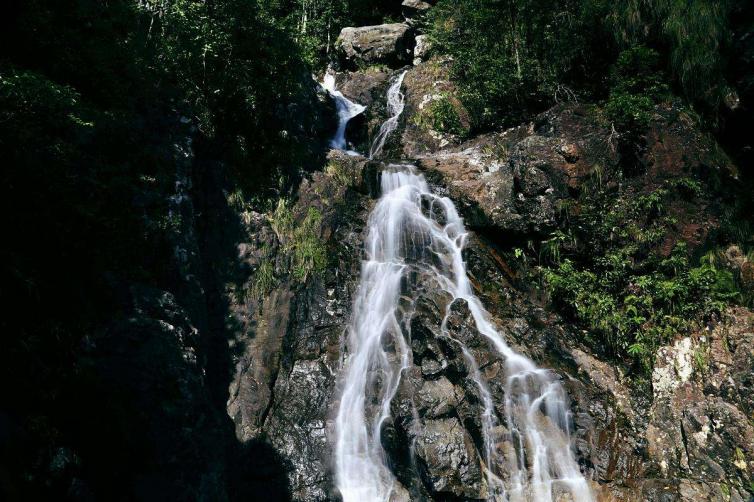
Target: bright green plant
442,115
264,280
637,86
309,251
609,278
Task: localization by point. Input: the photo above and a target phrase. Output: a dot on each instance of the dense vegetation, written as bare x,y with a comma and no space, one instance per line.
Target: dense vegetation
607,270
603,268
517,57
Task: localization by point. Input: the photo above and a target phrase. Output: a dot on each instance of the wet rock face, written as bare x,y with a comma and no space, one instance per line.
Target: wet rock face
514,181
287,361
366,87
447,453
689,440
434,409
388,44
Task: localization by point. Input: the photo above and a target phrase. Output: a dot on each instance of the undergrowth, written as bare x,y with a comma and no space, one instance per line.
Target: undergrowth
604,269
301,240
442,115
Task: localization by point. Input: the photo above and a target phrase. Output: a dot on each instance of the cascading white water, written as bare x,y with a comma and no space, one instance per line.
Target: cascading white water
413,232
346,108
395,105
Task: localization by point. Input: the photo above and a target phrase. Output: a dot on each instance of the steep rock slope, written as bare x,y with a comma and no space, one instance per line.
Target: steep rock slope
689,438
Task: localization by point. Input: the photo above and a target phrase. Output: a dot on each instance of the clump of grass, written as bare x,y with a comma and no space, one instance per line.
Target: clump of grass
309,251
282,220
264,280
301,240
345,173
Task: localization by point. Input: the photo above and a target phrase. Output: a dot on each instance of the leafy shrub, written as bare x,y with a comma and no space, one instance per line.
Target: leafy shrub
637,85
442,115
509,57
613,282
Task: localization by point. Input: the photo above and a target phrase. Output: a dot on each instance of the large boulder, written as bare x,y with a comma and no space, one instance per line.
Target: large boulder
513,194
414,9
366,87
388,44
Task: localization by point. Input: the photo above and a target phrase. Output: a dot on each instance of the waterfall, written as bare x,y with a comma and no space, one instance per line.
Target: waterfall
395,105
412,232
346,108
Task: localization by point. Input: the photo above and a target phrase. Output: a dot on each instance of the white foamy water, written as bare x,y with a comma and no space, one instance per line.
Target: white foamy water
413,231
346,108
395,105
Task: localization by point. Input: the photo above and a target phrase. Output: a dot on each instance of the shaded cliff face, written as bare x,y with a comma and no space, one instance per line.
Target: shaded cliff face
686,435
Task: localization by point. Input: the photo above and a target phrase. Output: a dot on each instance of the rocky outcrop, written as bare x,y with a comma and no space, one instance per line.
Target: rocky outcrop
425,85
366,87
514,181
387,44
286,364
698,425
413,9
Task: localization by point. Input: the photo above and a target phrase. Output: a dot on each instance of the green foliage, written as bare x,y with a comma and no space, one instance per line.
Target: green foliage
694,33
282,220
701,359
309,251
511,57
240,70
441,115
637,85
613,282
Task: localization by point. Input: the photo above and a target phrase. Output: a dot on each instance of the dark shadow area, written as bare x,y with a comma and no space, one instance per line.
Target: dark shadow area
115,364
259,466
